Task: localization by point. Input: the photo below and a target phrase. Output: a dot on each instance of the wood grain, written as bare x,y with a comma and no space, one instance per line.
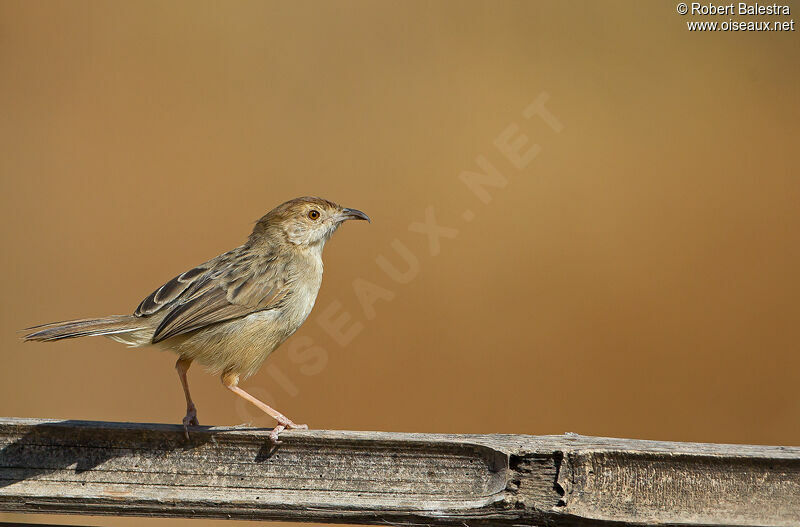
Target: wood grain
375,477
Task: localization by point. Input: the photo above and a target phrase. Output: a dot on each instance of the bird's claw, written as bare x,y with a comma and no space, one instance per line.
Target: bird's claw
282,425
273,435
190,420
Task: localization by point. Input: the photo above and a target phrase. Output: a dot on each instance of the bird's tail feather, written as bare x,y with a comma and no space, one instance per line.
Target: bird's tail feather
87,327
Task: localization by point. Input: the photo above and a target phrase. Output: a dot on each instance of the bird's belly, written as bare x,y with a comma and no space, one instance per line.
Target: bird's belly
238,346
241,345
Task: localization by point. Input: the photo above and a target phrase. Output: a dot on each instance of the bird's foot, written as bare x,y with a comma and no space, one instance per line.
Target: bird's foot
284,423
190,420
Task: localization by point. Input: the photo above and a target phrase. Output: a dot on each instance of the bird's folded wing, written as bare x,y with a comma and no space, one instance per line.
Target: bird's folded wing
166,295
230,286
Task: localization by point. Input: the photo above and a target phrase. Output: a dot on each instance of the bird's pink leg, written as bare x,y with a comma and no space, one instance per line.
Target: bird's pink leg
191,411
231,382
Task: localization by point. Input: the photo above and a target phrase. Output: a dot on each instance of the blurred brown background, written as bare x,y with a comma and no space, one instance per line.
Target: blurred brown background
638,278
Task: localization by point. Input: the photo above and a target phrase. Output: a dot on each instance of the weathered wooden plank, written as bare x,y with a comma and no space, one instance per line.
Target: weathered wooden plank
374,477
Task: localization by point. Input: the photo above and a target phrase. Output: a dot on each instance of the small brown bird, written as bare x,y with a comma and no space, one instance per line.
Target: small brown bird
229,313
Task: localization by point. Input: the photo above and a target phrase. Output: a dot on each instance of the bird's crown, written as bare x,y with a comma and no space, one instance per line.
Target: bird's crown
303,221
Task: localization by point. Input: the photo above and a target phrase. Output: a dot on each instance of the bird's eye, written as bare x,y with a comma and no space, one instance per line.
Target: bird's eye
313,214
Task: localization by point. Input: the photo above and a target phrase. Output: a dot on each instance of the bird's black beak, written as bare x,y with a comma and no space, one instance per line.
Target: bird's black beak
353,214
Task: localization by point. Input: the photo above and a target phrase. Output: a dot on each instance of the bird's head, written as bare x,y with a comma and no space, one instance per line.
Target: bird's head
306,221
